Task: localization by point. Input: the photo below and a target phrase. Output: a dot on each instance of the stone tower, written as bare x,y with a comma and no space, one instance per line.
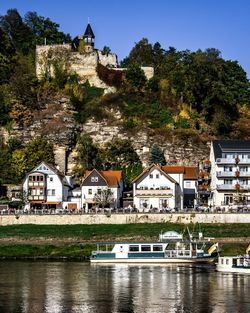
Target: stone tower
89,39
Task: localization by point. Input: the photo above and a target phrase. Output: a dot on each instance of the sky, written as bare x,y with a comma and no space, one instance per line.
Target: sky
183,24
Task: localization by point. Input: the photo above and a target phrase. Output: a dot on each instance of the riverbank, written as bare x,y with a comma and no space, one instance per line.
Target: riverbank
77,241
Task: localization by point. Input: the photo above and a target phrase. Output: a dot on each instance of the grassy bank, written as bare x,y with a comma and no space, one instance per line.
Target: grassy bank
114,232
77,241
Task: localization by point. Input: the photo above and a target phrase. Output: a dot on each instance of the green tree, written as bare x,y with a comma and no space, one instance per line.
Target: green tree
43,29
19,33
136,77
141,54
120,152
88,155
156,155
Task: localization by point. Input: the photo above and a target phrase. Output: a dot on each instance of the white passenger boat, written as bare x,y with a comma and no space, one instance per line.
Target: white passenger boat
171,248
235,264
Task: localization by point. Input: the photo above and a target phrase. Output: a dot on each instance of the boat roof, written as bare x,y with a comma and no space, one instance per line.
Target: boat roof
150,242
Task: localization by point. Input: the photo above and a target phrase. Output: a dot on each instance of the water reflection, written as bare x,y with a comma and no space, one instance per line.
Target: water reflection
53,287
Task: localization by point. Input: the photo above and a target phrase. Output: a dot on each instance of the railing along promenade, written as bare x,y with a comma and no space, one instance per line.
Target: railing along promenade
107,211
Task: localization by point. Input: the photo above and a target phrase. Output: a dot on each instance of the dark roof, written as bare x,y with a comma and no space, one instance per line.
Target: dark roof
226,146
88,32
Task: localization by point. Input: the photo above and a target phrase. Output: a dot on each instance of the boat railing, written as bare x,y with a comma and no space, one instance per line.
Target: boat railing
178,253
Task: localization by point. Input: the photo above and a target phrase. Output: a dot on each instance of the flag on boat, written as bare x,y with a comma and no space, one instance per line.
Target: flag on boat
213,248
248,248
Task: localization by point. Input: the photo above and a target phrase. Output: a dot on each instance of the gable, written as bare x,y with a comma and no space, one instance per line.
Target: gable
153,173
94,178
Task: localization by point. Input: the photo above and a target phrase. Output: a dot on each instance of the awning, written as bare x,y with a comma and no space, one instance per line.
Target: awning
52,202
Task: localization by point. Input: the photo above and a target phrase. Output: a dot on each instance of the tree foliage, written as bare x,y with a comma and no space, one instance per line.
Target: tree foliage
156,155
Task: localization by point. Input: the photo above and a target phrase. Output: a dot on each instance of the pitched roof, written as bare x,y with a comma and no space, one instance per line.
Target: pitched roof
190,172
112,178
173,169
89,32
226,146
150,169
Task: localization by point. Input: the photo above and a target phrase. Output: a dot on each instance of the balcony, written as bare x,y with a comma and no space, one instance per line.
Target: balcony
36,198
232,174
232,161
36,184
153,192
232,187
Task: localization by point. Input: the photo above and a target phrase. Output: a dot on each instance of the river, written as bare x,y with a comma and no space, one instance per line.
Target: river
64,287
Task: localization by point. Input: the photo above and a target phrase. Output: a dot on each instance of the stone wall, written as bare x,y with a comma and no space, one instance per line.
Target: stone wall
82,64
88,219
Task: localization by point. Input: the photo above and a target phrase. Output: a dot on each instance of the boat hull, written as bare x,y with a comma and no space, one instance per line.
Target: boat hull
233,269
152,260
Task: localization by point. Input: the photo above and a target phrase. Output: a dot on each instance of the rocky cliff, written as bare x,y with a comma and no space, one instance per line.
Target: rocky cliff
56,122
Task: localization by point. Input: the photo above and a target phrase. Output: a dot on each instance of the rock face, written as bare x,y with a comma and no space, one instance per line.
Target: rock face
175,151
57,124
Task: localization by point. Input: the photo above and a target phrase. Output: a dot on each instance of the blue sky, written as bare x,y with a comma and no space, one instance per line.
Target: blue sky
183,24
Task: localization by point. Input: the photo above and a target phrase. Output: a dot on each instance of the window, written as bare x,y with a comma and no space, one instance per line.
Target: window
53,192
41,191
157,176
228,168
228,199
188,184
243,181
133,248
243,169
145,248
157,248
228,181
90,191
99,191
94,179
51,179
151,176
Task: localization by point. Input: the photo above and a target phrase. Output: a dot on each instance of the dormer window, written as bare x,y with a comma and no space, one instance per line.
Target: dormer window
157,176
151,176
94,179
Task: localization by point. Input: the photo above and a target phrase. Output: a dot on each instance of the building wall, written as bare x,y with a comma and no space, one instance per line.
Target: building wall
155,183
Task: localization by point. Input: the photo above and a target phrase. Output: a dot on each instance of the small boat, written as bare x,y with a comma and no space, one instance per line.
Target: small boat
234,264
171,248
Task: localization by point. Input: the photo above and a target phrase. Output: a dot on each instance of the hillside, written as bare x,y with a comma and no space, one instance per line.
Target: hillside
192,98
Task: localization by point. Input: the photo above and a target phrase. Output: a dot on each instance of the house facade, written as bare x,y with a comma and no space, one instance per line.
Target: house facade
98,183
230,172
165,188
45,187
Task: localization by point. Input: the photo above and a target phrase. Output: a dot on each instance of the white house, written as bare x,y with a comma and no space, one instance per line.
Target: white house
97,182
46,187
230,172
165,188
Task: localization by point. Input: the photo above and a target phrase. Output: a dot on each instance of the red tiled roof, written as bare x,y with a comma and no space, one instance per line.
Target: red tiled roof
190,172
112,178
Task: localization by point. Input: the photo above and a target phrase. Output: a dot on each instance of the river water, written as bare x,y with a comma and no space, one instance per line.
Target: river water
64,287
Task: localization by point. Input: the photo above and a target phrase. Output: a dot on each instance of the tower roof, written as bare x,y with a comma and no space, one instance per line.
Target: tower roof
88,32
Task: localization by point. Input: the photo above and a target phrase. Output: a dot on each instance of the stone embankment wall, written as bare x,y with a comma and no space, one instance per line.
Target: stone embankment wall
88,219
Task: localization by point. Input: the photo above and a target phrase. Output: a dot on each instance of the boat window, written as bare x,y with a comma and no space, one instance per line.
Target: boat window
157,248
145,248
133,248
